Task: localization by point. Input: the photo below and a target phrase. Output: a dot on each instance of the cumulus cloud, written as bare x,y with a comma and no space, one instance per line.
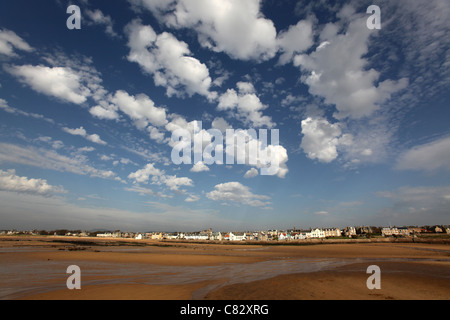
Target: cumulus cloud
261,151
251,173
339,75
243,147
72,79
325,141
199,167
82,132
174,183
245,106
361,95
235,27
297,39
96,17
169,61
141,109
143,175
431,156
59,82
9,41
158,177
9,181
155,134
108,113
221,124
320,139
237,193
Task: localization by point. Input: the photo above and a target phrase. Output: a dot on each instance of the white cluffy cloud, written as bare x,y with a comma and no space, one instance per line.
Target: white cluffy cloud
96,17
235,27
336,70
82,132
158,177
344,79
245,105
9,181
9,41
199,167
169,61
71,79
297,39
242,147
60,82
238,193
320,139
251,173
141,109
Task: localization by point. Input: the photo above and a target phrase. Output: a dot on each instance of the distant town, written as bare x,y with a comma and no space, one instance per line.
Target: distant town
261,235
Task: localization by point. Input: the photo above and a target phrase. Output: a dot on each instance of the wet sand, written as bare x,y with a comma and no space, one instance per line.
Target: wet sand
35,268
399,281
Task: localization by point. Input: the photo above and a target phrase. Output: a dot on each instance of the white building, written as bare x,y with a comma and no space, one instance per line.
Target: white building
317,233
196,236
237,236
216,236
300,236
386,232
282,236
332,232
105,235
350,231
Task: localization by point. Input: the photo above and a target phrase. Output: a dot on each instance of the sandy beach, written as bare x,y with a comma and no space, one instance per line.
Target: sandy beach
34,268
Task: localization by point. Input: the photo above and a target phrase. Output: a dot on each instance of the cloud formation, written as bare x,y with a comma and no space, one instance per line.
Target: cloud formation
336,70
237,193
156,176
9,41
59,82
168,60
50,159
95,138
9,181
429,157
245,106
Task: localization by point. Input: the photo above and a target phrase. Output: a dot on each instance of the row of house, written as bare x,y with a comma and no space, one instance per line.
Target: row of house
287,235
245,236
266,235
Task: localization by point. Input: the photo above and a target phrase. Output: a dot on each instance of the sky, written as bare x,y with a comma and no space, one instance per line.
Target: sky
89,114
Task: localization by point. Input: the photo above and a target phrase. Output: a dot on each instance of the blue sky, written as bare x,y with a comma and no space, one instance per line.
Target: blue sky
86,116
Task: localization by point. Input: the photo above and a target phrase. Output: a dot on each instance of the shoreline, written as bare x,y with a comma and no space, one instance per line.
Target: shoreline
111,241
